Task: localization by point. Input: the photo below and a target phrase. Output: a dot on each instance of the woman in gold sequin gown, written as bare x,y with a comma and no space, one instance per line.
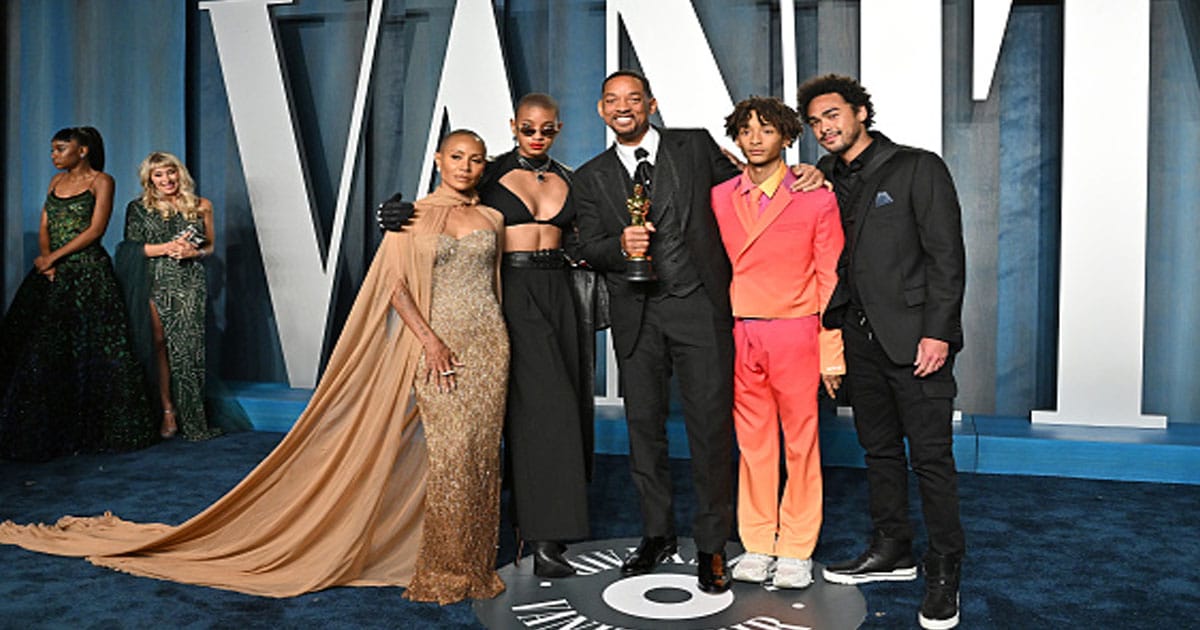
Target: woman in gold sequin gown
460,388
354,495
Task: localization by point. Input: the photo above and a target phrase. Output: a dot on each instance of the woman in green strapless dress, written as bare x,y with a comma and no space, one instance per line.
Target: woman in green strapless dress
68,380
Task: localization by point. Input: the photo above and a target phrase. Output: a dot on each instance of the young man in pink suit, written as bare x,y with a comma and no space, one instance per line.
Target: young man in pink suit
784,248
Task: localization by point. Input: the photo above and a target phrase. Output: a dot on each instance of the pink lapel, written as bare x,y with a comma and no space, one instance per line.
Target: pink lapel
746,215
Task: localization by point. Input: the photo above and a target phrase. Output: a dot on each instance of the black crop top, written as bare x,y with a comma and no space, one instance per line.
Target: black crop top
493,194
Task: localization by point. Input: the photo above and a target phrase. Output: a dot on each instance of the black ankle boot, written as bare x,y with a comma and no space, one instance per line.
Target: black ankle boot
548,560
939,609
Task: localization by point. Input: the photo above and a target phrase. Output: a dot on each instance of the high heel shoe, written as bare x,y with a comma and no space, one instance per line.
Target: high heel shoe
169,428
548,560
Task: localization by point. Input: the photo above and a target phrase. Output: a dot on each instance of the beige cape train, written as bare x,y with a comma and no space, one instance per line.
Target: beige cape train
340,501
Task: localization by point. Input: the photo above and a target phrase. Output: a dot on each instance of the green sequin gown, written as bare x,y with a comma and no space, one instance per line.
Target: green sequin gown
68,379
179,290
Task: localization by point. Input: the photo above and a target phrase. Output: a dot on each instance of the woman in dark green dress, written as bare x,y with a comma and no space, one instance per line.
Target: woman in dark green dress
169,230
68,379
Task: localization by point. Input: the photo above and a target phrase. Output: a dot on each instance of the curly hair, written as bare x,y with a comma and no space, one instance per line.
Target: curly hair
770,111
851,90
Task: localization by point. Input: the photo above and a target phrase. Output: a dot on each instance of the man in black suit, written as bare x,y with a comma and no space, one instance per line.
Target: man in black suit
681,323
899,304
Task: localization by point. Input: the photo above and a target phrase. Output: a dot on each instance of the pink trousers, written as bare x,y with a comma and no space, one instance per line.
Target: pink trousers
776,376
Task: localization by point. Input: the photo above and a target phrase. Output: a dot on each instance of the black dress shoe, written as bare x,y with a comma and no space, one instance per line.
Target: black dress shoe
649,554
887,559
711,572
548,561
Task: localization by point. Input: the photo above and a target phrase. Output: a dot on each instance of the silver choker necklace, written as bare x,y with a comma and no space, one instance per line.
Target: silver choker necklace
539,171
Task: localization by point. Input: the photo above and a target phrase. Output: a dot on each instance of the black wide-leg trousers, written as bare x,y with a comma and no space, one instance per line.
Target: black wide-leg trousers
545,435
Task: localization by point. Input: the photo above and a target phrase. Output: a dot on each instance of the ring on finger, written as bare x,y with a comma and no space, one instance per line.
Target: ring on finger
448,373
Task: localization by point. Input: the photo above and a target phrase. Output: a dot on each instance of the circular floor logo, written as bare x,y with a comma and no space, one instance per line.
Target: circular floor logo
598,597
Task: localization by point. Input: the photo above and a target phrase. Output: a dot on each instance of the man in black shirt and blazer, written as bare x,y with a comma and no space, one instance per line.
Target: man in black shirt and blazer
898,302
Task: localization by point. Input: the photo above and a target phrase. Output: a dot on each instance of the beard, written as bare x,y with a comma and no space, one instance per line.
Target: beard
845,139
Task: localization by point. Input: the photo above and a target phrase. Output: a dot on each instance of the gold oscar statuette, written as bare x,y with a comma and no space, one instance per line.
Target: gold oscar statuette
637,268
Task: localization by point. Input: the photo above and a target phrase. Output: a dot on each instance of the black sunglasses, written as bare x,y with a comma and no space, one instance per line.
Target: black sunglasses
547,131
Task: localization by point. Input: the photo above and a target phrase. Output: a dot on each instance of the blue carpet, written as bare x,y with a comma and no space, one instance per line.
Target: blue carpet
1045,552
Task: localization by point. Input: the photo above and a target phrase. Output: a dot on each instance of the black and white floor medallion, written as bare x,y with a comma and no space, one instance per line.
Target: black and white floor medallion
598,598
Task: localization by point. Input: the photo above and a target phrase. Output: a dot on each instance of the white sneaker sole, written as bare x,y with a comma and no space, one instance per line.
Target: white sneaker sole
939,624
753,579
898,575
793,585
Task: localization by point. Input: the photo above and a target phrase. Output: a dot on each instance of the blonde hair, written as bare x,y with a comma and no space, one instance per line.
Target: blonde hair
187,203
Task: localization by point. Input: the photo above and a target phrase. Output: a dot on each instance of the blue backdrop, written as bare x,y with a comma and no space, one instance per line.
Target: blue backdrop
147,75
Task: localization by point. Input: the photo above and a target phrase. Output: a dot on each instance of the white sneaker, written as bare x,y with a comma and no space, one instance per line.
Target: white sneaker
753,567
793,573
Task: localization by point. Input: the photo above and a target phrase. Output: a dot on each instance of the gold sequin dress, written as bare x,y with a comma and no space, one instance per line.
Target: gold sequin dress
457,555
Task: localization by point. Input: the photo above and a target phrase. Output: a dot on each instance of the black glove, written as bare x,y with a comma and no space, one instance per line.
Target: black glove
392,214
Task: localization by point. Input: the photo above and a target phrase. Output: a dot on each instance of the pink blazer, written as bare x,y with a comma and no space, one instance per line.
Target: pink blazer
784,259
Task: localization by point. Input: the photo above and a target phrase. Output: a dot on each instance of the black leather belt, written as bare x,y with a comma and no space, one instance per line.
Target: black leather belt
541,259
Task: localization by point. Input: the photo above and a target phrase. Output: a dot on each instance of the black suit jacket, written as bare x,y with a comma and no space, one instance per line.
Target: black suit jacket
686,168
908,261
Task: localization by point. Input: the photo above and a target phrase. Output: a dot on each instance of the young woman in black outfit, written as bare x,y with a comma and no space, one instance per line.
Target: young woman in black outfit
548,424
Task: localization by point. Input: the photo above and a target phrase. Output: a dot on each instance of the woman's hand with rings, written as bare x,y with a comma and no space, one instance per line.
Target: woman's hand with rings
186,250
180,249
441,366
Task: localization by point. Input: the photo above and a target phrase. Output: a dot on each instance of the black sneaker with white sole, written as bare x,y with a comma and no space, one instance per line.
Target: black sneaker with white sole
939,608
887,559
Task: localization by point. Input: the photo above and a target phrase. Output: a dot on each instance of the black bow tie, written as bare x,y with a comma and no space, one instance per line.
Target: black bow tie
644,171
